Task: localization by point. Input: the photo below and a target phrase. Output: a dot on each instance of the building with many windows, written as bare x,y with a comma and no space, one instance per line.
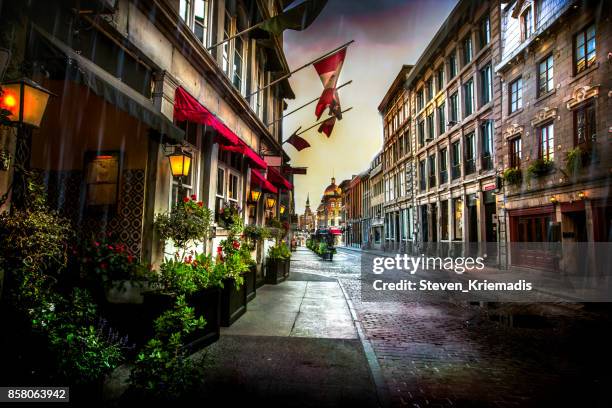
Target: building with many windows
554,133
374,207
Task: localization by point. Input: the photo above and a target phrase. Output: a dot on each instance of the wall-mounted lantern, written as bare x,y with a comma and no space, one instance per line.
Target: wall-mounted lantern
180,163
255,194
282,209
270,202
25,100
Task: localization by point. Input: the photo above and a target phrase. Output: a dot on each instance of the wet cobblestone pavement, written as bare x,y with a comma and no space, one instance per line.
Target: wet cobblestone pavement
457,355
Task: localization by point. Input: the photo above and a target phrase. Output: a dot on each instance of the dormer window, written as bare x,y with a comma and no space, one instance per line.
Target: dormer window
526,23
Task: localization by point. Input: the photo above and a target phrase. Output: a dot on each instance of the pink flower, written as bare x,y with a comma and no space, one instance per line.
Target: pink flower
96,244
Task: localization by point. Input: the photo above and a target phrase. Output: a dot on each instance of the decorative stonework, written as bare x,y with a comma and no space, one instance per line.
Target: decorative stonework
543,115
581,94
512,130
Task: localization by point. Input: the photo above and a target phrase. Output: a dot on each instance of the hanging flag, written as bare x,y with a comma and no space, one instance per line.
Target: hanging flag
296,18
298,142
327,126
329,70
329,98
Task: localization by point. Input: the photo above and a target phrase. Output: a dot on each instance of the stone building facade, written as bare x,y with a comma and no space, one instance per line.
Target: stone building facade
556,117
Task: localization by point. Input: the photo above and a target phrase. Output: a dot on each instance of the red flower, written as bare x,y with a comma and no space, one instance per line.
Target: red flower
236,244
200,204
103,265
185,199
130,258
110,247
96,243
188,259
193,197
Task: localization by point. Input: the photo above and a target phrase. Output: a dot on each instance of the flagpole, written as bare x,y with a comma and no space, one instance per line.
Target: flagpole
318,123
305,105
300,68
234,36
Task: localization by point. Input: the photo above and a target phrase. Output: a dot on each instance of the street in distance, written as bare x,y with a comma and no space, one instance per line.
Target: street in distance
473,285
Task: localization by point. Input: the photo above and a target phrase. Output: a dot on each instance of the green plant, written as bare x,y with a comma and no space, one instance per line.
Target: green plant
577,158
255,233
228,213
512,175
187,222
163,369
187,276
540,167
280,251
233,256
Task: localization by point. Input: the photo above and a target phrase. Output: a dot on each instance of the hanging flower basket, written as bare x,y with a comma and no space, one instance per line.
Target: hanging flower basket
540,167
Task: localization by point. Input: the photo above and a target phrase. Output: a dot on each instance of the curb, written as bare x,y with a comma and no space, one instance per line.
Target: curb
382,392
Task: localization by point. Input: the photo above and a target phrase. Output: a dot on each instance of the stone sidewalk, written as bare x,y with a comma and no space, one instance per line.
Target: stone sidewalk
296,346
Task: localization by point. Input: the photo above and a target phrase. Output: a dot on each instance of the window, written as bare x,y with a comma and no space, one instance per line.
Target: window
430,127
442,156
546,134
486,131
259,97
452,64
440,78
238,63
470,154
467,50
584,124
458,218
432,170
430,90
515,152
584,49
456,160
526,23
200,21
444,219
545,76
454,108
441,119
485,31
420,99
516,95
422,180
468,97
225,53
185,9
421,132
485,83
228,180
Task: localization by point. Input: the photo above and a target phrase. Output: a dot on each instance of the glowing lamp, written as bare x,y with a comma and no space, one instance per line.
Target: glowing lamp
582,195
270,202
255,195
554,200
25,100
180,163
282,209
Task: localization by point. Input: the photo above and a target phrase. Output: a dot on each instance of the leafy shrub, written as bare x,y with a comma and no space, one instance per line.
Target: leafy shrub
280,251
577,158
163,369
188,222
512,175
540,167
188,276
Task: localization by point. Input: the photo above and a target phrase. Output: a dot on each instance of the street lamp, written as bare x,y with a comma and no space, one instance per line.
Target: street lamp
255,194
180,163
282,209
25,100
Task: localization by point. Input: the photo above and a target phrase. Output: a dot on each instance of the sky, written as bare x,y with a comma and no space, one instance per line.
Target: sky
387,34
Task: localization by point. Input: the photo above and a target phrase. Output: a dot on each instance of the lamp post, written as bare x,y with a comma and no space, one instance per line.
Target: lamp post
23,103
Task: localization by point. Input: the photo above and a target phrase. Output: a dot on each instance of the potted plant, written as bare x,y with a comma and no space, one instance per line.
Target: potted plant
325,252
278,261
512,175
577,158
540,167
232,263
254,236
228,213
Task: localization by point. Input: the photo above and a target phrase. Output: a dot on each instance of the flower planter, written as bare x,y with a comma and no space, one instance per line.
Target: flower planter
233,302
327,256
250,282
277,270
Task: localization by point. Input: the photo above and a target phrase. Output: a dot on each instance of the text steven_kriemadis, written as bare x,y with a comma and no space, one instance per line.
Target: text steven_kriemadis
473,285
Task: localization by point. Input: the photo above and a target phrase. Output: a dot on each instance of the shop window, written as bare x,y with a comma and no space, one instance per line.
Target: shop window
102,179
458,219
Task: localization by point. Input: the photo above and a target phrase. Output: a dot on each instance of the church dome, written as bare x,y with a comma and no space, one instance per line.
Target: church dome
332,189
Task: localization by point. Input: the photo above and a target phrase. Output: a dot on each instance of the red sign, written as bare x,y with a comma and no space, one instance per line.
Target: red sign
489,187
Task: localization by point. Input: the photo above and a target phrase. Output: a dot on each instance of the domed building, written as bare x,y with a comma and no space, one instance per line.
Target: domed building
329,212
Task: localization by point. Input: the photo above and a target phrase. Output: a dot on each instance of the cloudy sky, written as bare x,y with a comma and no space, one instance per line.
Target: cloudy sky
387,34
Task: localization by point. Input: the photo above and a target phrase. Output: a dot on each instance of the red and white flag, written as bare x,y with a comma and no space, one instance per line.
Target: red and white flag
298,142
327,126
329,71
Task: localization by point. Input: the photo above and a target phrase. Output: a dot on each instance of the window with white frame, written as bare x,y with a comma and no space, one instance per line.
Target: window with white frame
196,15
186,186
226,46
229,180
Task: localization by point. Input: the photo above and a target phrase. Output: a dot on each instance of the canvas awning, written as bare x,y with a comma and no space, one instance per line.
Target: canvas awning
279,181
111,89
186,107
335,231
259,181
250,154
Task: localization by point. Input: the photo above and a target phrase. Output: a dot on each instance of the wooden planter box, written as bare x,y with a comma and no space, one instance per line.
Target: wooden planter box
250,282
206,303
277,270
233,301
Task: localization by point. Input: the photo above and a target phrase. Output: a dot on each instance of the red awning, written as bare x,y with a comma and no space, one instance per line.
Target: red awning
335,231
279,181
186,107
245,150
260,181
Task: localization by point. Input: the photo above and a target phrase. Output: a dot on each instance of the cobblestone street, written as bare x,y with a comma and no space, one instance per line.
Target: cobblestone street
446,355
